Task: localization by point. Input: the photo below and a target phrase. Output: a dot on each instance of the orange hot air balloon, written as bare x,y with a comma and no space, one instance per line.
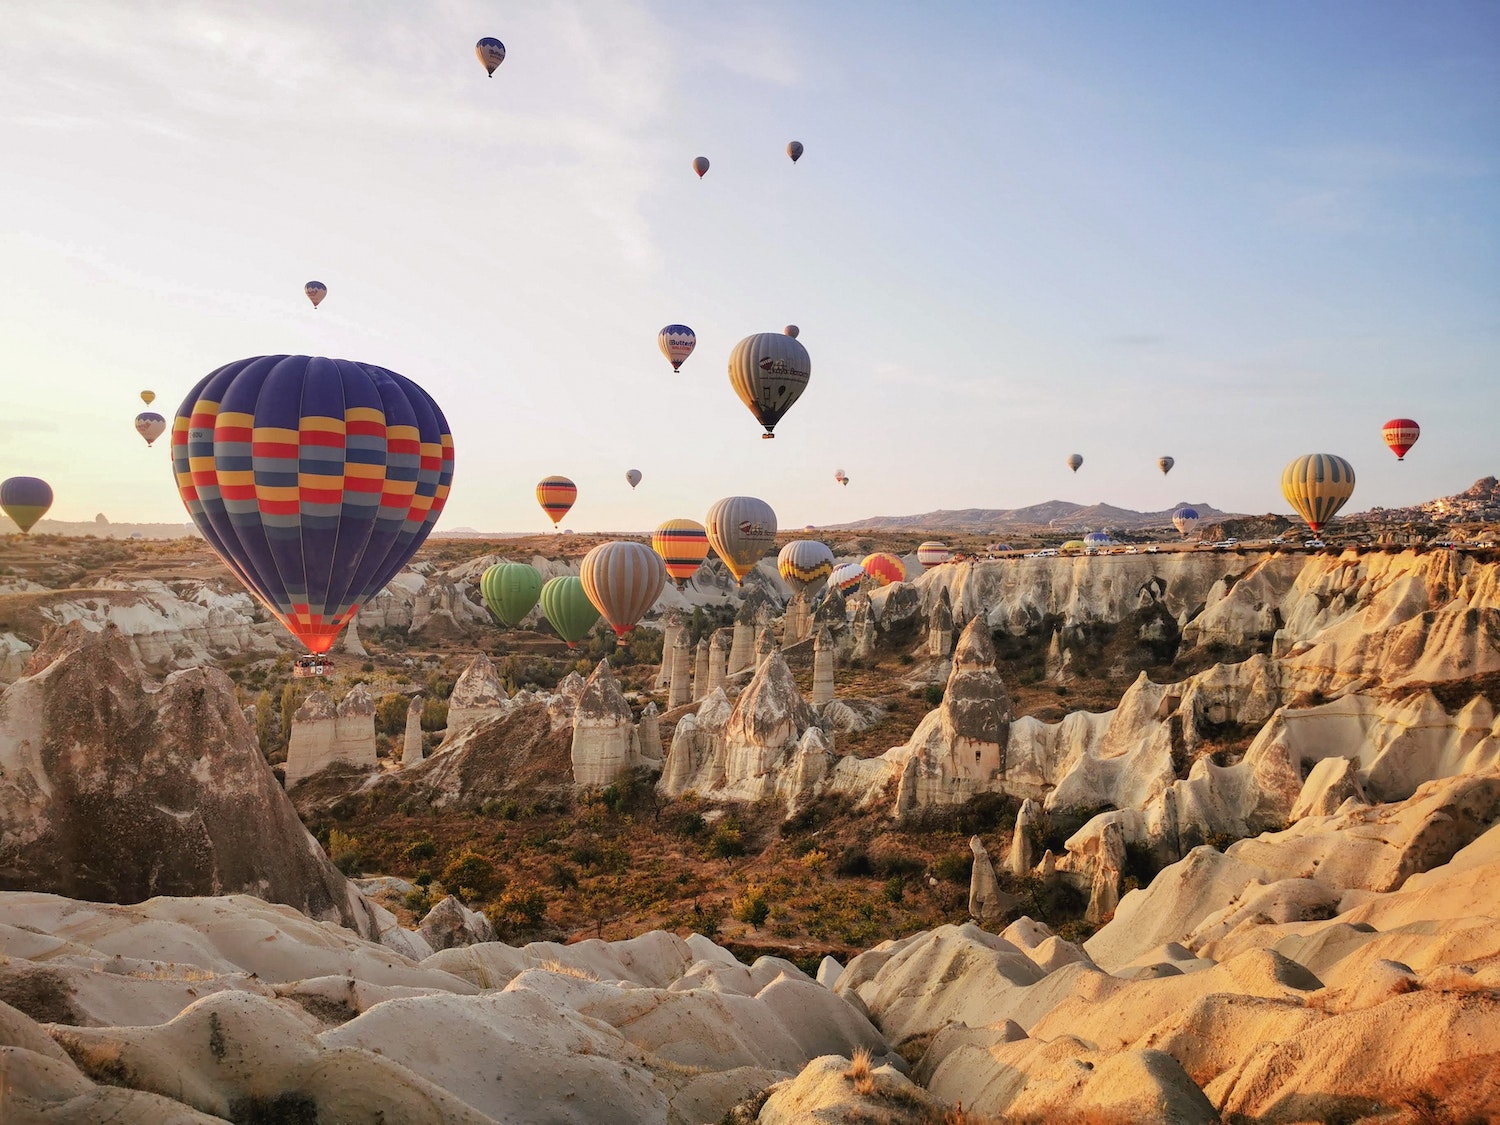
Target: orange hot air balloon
884,569
682,545
1401,434
556,496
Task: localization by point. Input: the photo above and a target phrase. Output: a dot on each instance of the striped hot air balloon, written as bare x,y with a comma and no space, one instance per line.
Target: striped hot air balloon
883,568
682,545
567,608
556,496
1401,434
769,371
150,425
805,564
676,342
846,578
741,529
932,553
313,479
1317,485
25,500
511,590
623,579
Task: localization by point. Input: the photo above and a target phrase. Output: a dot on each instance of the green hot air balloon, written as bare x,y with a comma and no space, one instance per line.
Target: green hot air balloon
510,590
568,609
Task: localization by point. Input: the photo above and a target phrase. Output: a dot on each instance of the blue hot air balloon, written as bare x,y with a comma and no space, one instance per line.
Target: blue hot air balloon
1184,520
491,53
313,479
25,500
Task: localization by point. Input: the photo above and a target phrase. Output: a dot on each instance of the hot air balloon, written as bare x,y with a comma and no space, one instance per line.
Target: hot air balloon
568,609
932,553
1317,484
769,371
1165,464
1401,434
794,150
315,291
633,477
1184,520
1096,539
1074,460
682,545
805,565
511,590
884,569
25,500
741,529
676,342
491,53
842,477
150,425
623,579
148,397
556,496
700,165
313,479
791,330
1072,545
846,579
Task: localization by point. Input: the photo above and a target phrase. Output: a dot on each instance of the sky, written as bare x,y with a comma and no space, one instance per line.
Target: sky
1232,233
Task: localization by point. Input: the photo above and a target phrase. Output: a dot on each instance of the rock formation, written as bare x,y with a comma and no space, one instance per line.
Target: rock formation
681,691
718,661
648,736
987,902
823,667
673,626
765,645
603,731
411,743
861,632
900,613
324,734
1021,858
700,669
477,695
940,627
796,624
450,923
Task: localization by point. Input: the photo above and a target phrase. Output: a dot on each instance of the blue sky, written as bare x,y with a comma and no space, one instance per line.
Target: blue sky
1233,233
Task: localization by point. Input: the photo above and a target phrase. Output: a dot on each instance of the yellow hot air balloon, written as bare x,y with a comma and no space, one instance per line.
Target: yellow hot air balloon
556,496
148,397
623,579
682,545
741,529
883,568
1317,484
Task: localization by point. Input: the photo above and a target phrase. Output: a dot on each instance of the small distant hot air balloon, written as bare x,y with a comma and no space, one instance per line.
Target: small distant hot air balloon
1096,539
884,569
491,53
567,608
148,397
932,553
741,529
804,565
623,579
791,330
633,477
1072,545
700,165
846,579
314,480
1184,520
769,371
315,291
556,496
682,545
1401,434
25,500
1165,464
511,590
1074,461
794,150
150,426
842,477
676,342
1317,485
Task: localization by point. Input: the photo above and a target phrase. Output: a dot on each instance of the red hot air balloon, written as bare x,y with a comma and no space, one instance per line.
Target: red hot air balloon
1401,434
556,496
313,479
700,165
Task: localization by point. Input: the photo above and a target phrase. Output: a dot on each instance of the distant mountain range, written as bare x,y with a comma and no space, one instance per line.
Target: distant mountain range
1052,514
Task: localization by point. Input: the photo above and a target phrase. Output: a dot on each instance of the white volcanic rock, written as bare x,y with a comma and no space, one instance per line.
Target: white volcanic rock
1329,784
477,695
562,704
824,1093
411,740
15,654
451,923
987,902
604,744
323,734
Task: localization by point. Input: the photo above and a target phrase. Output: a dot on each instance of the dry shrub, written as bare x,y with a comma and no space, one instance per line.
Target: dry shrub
562,969
860,1072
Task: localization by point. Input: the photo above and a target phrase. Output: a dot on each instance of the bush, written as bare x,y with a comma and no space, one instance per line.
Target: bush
728,841
955,868
854,863
932,695
343,849
390,714
894,888
418,850
751,907
470,876
692,825
434,714
517,911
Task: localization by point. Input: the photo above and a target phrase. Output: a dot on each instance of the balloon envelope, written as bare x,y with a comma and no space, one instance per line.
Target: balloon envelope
846,578
568,609
556,496
932,553
1184,520
1165,464
315,291
491,53
884,569
150,425
25,500
313,479
148,397
676,342
791,330
1317,485
700,165
769,371
511,590
1097,539
741,529
623,579
1074,461
805,564
633,477
682,545
794,150
1401,434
